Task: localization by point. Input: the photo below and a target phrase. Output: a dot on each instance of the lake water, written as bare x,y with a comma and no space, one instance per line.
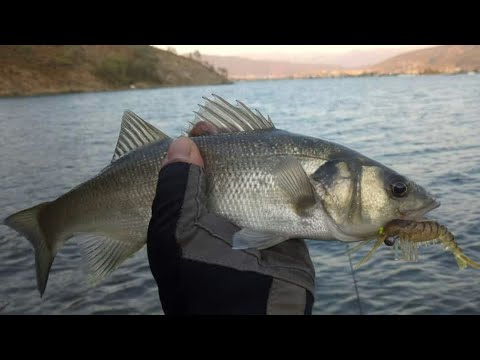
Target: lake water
427,128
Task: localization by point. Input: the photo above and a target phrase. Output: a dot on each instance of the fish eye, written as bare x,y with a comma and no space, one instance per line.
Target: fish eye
399,189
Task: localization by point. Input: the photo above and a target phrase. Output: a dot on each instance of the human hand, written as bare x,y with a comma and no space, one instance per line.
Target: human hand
192,260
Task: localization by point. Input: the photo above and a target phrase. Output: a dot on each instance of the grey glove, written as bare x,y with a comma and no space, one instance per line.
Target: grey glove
197,271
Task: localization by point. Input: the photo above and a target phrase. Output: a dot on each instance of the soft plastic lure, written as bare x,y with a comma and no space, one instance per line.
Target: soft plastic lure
409,234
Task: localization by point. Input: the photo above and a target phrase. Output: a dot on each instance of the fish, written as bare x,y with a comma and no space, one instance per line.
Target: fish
407,235
273,184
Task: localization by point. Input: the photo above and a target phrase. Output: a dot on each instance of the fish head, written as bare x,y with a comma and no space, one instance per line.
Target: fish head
361,195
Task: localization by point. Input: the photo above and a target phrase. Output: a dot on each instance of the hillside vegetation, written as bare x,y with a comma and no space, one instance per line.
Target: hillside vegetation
41,69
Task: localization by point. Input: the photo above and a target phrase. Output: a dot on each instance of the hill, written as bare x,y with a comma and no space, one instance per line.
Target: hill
243,68
359,58
41,69
448,59
439,59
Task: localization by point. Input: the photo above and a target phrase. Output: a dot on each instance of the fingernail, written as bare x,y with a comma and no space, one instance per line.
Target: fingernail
183,150
181,147
180,150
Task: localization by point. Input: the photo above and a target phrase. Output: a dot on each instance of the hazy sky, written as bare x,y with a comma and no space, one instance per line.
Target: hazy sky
273,52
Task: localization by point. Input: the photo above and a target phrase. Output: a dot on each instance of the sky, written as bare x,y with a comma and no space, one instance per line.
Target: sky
286,52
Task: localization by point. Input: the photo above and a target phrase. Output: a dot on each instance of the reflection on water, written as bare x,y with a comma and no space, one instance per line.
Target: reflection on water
424,127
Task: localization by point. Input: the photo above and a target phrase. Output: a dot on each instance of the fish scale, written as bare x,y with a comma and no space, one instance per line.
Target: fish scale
241,187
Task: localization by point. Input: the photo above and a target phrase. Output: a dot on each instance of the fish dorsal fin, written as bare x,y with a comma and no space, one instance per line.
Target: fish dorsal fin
134,133
228,118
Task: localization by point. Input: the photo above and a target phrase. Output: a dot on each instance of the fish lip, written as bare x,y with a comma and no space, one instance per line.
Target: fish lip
412,215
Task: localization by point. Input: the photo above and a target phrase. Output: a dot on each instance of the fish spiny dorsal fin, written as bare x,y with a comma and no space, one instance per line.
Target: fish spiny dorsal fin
134,133
229,118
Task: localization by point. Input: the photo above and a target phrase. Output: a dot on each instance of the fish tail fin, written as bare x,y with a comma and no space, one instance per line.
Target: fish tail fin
27,222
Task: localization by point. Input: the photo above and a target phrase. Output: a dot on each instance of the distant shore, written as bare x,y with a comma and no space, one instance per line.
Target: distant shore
359,75
93,91
443,59
232,81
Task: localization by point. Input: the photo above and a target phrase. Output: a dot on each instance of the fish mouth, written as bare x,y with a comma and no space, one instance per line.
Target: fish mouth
418,213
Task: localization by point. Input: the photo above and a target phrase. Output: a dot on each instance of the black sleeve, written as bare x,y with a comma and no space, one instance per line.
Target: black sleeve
187,286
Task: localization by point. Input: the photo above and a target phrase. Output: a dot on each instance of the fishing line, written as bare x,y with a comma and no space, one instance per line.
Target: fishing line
354,282
3,306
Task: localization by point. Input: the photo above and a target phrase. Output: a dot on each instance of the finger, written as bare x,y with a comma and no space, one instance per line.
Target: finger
202,128
183,150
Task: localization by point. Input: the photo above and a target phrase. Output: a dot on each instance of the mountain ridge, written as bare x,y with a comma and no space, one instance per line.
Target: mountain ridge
244,68
439,59
448,59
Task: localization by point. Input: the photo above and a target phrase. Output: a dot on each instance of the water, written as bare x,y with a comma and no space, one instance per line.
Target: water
424,127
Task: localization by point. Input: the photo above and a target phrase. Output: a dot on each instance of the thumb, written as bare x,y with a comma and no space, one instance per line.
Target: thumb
183,150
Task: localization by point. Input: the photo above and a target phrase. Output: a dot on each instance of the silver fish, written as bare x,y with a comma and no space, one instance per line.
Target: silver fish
274,184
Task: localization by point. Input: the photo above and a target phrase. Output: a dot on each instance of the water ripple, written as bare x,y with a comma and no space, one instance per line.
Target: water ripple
424,127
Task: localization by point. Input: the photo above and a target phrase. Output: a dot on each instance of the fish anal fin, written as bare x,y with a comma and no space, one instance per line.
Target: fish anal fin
104,253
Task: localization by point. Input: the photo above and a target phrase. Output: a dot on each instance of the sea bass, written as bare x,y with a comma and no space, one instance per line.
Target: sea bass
275,185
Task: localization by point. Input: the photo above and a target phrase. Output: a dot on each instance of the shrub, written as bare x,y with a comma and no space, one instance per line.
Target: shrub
113,70
121,70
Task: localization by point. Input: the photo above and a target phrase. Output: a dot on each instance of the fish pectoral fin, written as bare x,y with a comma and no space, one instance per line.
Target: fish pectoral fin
104,253
134,133
292,178
254,239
